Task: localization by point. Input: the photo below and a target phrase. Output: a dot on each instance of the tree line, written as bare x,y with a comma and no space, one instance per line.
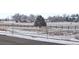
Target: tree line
23,18
31,18
64,18
40,21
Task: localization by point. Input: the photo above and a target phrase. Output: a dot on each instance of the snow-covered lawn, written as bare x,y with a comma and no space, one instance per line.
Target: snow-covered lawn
56,35
40,36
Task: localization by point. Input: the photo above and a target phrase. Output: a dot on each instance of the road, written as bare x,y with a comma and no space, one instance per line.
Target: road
7,40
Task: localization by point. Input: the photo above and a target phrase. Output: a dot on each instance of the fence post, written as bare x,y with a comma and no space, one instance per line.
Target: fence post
62,27
47,31
56,26
68,27
12,28
75,27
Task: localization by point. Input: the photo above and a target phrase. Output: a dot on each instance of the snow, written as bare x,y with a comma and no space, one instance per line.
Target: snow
40,37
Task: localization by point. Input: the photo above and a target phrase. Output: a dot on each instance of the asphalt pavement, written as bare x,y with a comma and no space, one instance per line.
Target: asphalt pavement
7,40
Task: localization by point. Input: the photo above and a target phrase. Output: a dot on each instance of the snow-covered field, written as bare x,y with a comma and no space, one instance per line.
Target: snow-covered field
48,23
68,34
41,37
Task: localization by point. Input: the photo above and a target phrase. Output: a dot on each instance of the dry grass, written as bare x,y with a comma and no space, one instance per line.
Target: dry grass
49,30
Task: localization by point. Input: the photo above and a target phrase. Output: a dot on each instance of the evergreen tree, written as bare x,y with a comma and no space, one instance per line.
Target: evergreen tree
40,21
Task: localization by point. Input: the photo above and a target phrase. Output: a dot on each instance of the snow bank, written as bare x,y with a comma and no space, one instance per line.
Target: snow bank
40,37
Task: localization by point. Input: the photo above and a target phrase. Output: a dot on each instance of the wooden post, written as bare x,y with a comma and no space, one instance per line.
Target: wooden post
12,28
75,27
47,31
68,27
62,27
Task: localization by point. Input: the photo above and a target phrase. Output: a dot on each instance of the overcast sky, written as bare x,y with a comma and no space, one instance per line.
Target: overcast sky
43,7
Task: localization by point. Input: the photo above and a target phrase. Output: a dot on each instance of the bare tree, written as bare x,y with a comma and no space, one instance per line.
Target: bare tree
17,17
